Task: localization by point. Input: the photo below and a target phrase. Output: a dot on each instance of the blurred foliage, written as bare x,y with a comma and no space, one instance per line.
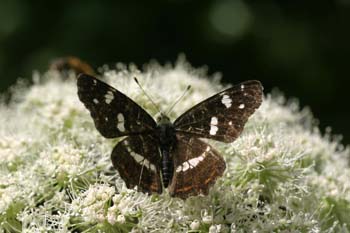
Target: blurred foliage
301,47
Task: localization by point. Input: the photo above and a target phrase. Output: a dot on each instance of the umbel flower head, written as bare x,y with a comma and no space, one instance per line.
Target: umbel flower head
282,174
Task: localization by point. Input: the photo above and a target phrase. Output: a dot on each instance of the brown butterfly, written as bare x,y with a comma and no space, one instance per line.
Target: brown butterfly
70,63
163,154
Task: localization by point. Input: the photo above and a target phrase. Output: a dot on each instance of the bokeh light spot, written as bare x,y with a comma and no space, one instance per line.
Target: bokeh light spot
10,17
230,18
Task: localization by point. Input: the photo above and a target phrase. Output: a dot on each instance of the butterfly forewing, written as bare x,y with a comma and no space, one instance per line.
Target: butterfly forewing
113,112
196,167
222,116
137,160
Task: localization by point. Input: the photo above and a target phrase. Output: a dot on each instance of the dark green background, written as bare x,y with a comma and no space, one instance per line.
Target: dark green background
302,47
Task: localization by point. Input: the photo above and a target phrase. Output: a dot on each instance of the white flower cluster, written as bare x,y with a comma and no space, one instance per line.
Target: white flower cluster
56,175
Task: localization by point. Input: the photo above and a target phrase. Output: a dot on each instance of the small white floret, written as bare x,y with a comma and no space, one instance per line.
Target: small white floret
195,225
121,219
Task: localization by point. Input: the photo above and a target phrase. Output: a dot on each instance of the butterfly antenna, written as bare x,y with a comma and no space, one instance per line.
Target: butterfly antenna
144,92
178,100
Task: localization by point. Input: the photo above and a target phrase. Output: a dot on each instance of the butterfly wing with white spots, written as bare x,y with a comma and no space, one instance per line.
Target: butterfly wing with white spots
196,167
137,160
136,157
222,116
193,165
114,113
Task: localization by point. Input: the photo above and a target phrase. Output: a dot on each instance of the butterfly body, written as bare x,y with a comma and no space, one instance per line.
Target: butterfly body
166,134
162,154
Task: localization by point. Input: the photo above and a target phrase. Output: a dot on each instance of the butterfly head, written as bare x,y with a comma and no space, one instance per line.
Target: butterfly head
163,119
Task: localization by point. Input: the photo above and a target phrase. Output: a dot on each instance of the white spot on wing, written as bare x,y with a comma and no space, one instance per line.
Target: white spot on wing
95,82
230,123
241,106
185,166
96,101
141,160
179,168
227,101
213,129
109,96
152,167
192,163
242,87
213,125
214,121
121,122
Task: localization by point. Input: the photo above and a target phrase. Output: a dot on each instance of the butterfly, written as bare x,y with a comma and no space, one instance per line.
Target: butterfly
71,63
163,154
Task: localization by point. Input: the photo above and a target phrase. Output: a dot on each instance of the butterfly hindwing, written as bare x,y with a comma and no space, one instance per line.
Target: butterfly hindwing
196,167
222,116
137,160
114,113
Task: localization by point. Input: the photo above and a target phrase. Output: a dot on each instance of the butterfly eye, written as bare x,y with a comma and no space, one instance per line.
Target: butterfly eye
158,117
163,119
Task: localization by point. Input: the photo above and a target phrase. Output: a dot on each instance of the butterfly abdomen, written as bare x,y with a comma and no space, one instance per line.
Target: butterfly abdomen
167,141
167,168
